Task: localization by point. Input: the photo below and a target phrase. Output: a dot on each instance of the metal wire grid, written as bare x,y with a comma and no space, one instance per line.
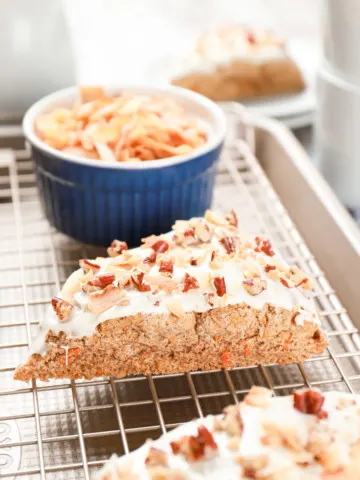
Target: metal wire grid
68,429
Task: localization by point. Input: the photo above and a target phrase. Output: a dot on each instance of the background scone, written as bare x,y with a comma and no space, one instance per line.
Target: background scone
305,436
204,296
239,63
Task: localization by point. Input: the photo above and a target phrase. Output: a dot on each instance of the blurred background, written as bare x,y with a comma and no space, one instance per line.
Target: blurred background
48,44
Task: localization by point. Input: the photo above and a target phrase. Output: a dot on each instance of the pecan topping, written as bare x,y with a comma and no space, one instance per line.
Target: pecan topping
298,277
162,282
264,246
254,286
258,397
102,280
61,308
175,307
197,447
160,246
88,265
116,248
268,268
151,258
232,422
138,281
196,261
308,401
231,217
202,232
286,283
190,283
167,266
104,299
220,286
156,457
253,465
215,261
210,297
230,244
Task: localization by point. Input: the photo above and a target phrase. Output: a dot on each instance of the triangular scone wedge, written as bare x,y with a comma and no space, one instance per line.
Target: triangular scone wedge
306,436
236,62
204,296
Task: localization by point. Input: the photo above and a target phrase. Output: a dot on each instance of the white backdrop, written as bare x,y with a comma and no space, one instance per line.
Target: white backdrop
118,40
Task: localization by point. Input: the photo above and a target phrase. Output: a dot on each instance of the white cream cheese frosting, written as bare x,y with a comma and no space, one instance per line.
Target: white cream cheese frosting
230,44
275,438
236,268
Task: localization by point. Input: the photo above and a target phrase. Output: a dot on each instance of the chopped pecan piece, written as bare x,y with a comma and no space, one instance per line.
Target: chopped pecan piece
216,218
230,244
210,297
138,281
202,232
264,246
197,447
162,282
156,457
286,282
175,307
299,279
308,401
253,465
268,268
231,217
88,265
101,280
166,266
62,308
151,258
160,246
196,261
232,422
220,286
258,397
116,248
190,283
104,299
215,261
254,286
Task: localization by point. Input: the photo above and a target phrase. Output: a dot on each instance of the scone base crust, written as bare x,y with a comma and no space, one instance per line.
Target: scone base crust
241,80
231,336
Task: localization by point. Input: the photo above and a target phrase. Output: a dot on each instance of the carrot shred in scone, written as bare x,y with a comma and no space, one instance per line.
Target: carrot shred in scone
120,128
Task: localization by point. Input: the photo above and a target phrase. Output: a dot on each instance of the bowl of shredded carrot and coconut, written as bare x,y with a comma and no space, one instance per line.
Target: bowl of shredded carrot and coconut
123,161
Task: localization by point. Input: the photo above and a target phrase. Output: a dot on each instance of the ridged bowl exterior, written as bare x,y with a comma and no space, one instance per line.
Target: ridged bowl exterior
95,205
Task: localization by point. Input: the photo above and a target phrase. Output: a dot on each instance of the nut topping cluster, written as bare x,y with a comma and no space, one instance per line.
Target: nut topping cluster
193,258
250,443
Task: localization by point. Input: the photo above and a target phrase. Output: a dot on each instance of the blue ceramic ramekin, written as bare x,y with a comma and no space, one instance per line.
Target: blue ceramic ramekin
96,201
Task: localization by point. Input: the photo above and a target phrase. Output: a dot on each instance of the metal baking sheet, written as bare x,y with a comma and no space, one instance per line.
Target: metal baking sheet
66,430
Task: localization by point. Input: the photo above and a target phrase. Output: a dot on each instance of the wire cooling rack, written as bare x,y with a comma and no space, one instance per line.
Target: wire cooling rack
66,430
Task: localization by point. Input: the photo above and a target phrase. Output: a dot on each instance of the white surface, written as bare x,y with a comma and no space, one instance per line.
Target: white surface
127,41
338,139
342,38
35,53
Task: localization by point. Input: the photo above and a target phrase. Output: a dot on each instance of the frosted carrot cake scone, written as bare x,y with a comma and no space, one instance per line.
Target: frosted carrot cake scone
203,296
306,436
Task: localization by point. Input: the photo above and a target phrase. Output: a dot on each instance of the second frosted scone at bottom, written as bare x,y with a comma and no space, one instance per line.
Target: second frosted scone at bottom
204,296
306,436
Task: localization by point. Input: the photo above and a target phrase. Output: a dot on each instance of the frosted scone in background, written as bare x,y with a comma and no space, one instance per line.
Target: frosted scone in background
236,62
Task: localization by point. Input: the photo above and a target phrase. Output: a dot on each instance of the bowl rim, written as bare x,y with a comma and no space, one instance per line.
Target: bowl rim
215,140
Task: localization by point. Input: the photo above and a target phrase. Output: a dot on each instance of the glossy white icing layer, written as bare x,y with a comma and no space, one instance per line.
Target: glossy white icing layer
344,425
83,322
220,48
